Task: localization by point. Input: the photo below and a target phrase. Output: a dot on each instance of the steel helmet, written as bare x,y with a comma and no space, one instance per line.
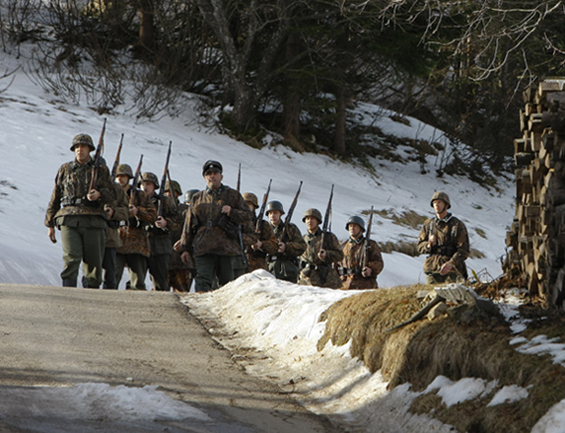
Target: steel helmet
189,194
125,170
356,220
274,205
149,177
440,195
83,139
249,196
313,213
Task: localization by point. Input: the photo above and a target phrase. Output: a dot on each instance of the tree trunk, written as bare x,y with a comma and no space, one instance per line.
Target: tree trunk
340,117
146,39
292,100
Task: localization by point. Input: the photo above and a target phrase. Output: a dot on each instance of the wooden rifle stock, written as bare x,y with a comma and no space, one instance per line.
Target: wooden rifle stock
117,160
160,209
98,158
258,224
286,230
366,244
327,218
238,185
135,181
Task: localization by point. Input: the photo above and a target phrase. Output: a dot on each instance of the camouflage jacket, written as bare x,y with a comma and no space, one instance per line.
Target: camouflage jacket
121,213
208,231
71,187
258,259
350,268
133,235
160,239
452,244
175,233
318,272
295,243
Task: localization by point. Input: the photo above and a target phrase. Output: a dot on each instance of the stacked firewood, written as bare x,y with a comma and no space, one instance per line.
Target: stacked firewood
536,240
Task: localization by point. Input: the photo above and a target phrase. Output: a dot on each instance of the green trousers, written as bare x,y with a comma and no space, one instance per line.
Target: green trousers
137,266
86,245
212,266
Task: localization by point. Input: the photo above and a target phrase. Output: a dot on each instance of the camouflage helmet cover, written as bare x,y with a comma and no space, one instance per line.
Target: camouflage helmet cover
249,196
312,213
150,177
356,220
176,187
124,169
82,139
189,194
440,195
274,205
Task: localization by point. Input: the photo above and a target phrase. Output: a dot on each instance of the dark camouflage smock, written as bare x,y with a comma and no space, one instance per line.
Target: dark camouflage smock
121,213
316,272
285,265
452,245
176,232
160,239
350,269
203,233
72,184
133,235
257,259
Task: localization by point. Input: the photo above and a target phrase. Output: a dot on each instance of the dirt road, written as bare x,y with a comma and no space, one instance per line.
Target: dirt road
57,337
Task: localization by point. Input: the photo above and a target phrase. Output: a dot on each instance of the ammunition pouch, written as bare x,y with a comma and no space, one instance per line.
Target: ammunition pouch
350,272
230,228
76,201
443,250
113,224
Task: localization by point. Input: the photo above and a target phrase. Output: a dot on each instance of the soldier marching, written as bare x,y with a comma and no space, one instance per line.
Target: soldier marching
218,226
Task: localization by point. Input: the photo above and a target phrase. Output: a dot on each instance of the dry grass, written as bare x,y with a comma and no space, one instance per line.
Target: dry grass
452,347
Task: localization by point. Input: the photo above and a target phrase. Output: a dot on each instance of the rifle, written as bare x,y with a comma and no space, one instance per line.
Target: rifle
135,180
163,181
98,158
237,187
258,225
327,218
117,160
286,230
367,239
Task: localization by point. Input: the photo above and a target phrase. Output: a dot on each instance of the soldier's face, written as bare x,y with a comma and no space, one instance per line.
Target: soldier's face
354,230
148,187
275,217
312,223
122,179
440,207
213,179
82,153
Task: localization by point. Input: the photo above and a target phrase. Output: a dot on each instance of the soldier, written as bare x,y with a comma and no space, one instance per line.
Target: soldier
180,278
284,263
362,260
322,250
210,230
260,243
445,240
135,249
117,212
78,212
159,239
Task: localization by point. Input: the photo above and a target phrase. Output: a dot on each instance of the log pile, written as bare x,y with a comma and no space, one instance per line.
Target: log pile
536,239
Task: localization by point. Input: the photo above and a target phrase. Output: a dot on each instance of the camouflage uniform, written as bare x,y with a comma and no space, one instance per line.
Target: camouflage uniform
180,274
161,244
211,246
135,249
350,269
113,241
285,265
258,258
316,272
82,222
452,245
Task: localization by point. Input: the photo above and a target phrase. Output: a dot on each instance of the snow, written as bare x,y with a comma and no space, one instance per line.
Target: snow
277,321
